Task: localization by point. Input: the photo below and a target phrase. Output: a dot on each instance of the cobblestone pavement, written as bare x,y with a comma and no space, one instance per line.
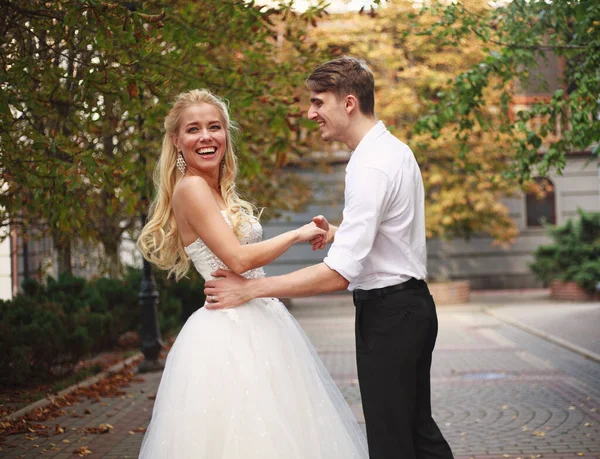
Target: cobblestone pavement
498,392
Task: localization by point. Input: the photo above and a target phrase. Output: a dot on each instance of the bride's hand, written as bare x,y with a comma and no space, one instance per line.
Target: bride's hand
309,232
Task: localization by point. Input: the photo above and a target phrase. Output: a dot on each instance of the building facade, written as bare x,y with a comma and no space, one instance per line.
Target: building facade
485,265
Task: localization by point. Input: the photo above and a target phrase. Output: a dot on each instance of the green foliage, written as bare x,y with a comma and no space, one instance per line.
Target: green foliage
516,38
574,255
37,335
179,300
85,87
114,309
588,275
49,328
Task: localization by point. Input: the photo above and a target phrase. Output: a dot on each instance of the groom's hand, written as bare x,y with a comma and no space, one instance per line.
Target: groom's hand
228,290
319,242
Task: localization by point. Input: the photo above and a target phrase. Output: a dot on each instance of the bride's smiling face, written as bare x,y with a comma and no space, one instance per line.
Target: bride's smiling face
202,137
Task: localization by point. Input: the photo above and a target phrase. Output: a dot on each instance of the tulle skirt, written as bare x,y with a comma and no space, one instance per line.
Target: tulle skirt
246,383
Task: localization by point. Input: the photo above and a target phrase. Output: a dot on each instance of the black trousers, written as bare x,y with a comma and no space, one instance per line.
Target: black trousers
395,337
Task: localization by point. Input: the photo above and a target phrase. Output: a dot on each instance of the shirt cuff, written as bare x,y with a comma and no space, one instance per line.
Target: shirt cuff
342,261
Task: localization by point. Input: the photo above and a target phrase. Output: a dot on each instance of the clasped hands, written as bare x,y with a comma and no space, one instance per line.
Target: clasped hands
320,241
229,290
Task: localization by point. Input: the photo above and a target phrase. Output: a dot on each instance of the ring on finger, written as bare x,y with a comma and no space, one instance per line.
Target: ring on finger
211,299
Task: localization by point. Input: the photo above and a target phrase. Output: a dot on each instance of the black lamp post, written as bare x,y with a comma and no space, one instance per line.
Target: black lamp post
152,342
151,338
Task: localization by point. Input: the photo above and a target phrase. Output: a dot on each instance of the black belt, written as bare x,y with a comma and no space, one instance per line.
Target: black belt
410,284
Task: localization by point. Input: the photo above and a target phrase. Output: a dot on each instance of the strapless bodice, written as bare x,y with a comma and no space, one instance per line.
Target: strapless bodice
207,262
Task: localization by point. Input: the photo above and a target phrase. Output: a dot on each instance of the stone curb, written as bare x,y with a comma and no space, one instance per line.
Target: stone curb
547,336
85,383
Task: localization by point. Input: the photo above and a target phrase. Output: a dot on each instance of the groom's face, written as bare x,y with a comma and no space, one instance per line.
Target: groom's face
330,112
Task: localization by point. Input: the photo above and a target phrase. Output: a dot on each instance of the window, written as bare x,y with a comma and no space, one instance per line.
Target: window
540,204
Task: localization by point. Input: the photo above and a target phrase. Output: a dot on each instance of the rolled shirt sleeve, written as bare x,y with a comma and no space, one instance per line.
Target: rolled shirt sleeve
367,194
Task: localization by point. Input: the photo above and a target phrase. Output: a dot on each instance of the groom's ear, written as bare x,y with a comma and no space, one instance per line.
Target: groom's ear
351,103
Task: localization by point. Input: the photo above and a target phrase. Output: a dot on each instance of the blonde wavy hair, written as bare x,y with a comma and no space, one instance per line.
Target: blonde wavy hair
159,241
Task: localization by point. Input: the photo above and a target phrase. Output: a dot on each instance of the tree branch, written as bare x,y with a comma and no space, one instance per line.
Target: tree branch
540,47
41,13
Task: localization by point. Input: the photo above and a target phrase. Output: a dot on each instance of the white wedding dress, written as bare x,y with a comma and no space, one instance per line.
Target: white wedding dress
246,383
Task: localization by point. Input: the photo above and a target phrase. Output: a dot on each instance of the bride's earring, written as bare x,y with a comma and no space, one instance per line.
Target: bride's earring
181,165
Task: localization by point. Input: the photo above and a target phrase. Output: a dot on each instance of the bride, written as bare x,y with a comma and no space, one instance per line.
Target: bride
238,383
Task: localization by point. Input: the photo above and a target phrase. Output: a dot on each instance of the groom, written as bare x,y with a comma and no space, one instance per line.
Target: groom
378,253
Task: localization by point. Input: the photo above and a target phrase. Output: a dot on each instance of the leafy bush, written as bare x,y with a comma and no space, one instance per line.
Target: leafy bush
177,300
189,291
114,309
49,327
39,335
574,255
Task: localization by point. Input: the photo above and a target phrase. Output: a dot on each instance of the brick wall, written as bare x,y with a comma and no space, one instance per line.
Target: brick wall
456,292
570,291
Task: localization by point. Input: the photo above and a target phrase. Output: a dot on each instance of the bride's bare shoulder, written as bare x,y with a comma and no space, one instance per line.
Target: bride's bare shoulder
191,193
189,187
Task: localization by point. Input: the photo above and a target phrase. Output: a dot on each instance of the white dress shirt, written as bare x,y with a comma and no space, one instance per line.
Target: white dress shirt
381,240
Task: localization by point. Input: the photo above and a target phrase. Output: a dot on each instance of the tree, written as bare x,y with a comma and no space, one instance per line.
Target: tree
86,85
515,38
465,179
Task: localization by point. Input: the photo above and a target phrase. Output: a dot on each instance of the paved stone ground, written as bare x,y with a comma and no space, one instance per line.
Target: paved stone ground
498,391
561,320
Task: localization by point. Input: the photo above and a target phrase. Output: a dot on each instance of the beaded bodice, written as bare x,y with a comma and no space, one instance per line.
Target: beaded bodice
207,262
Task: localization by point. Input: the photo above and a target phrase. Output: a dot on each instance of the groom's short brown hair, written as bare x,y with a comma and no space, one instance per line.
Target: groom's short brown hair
345,76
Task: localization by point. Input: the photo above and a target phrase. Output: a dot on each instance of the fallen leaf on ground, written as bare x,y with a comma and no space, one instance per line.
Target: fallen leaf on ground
101,429
83,451
109,387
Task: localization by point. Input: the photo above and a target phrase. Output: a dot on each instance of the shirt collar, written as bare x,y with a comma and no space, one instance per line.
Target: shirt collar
370,137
